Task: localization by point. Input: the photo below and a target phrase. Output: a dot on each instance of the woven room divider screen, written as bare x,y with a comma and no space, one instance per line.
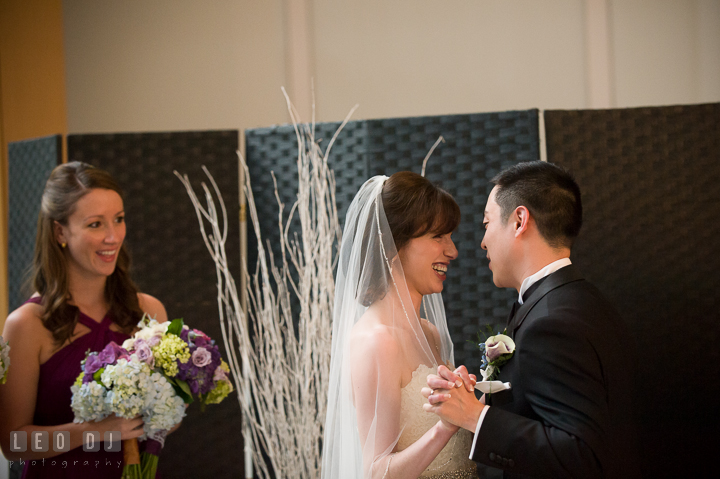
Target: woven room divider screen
476,147
29,165
650,179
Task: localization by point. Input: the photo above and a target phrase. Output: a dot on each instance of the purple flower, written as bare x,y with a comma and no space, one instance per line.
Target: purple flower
201,357
194,387
111,353
92,365
199,339
144,353
154,341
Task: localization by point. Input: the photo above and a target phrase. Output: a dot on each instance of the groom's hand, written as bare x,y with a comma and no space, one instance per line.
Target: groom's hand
452,402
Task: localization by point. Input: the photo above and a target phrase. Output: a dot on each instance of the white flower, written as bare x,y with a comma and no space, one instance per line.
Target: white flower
496,346
88,402
150,328
163,408
487,372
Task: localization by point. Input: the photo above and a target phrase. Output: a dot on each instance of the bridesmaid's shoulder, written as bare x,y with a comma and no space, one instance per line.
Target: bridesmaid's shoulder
153,307
25,322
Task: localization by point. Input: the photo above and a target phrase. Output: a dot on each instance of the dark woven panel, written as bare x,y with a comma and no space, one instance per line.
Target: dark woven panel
650,179
29,165
477,147
170,262
275,150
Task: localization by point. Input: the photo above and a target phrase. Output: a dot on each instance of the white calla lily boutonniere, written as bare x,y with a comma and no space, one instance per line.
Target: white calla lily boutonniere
496,351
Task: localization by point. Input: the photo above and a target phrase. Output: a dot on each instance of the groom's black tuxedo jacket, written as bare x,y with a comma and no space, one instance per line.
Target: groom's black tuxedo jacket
569,412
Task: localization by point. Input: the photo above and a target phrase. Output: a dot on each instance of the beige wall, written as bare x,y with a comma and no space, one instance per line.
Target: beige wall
667,51
424,57
139,65
189,64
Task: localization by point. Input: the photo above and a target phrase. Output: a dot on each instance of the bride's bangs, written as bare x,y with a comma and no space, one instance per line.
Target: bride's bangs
445,216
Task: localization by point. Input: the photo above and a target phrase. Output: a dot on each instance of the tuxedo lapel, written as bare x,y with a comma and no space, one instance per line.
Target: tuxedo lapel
563,276
511,316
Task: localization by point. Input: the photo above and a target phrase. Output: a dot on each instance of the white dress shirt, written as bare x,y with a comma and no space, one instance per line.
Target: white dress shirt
527,282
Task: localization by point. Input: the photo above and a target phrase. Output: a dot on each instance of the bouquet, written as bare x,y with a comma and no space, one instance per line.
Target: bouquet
4,360
155,374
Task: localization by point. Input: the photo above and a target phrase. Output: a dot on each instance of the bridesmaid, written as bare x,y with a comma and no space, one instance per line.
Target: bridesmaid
83,299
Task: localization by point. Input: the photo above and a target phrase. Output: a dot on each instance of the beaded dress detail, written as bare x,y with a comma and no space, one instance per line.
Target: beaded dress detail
453,461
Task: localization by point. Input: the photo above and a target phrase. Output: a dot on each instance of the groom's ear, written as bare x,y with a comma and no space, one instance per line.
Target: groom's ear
521,220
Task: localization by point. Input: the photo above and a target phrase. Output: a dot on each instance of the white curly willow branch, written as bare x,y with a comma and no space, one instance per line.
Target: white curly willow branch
280,358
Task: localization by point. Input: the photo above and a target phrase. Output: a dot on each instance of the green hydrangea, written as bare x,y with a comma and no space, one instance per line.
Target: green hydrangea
220,392
78,381
168,350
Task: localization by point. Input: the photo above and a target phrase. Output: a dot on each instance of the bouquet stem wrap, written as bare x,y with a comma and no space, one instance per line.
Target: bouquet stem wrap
131,451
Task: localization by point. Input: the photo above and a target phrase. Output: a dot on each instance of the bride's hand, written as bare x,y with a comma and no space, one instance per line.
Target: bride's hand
445,426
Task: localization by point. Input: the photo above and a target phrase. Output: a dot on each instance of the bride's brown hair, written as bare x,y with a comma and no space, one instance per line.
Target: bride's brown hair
66,185
414,206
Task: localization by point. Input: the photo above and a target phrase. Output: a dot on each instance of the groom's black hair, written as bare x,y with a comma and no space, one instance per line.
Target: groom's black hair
550,194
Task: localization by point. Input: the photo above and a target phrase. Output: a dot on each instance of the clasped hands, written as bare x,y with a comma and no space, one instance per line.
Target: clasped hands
451,395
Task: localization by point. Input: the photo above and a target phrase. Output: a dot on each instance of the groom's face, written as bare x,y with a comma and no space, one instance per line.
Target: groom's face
498,241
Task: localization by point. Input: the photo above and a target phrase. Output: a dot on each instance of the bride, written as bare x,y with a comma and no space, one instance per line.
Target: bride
389,333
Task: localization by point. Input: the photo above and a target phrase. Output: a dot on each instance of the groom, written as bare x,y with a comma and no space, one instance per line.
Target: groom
569,412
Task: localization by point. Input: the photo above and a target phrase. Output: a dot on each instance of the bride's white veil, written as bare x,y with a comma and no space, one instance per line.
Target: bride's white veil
370,276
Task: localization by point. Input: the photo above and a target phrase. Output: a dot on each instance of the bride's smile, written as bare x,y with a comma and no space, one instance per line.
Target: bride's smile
425,261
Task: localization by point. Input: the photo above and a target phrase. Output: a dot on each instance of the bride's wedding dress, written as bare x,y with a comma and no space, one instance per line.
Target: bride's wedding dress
453,461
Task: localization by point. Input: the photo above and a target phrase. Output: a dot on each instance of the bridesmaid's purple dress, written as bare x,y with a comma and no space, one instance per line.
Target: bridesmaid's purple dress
52,406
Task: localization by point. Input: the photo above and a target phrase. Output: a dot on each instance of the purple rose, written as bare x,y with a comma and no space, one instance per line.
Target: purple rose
111,353
144,353
92,365
201,357
153,341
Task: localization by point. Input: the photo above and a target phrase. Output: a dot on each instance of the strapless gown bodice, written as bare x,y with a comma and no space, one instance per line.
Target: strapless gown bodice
453,461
